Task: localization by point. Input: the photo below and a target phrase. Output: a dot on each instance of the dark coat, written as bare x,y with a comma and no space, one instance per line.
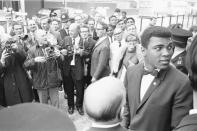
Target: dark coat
17,86
167,100
179,62
79,64
63,33
44,75
100,59
188,123
116,128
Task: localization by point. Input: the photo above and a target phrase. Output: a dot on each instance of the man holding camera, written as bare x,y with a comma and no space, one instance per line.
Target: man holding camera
43,62
17,87
73,68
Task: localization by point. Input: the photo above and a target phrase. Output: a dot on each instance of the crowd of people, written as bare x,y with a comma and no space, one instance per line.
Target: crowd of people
91,60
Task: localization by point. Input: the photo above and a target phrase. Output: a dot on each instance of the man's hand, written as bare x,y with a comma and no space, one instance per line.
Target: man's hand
40,59
4,56
64,51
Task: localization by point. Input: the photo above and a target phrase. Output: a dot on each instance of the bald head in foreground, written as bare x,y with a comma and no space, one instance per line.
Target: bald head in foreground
103,102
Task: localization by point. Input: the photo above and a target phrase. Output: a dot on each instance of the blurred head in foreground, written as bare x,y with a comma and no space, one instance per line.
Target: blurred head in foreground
34,117
104,99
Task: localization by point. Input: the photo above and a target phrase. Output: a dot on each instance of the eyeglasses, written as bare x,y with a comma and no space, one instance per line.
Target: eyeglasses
99,29
118,33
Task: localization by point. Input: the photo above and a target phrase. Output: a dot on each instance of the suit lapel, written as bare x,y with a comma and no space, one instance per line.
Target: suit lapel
153,86
99,42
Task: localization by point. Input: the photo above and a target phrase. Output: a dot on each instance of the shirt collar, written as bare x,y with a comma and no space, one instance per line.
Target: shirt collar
193,111
94,124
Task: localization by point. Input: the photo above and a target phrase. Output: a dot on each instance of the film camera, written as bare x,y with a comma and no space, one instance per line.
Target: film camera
49,52
23,37
8,46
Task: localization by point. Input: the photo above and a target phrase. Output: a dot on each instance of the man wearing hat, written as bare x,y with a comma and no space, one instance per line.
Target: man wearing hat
179,39
66,22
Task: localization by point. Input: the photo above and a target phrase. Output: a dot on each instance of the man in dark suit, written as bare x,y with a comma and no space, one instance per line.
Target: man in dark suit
87,46
65,26
158,95
103,101
92,31
73,68
179,38
189,122
101,54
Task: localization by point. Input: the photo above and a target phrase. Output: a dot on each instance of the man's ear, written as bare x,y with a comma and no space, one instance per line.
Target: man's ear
143,49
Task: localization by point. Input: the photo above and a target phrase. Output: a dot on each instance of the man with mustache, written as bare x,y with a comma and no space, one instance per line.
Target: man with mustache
158,95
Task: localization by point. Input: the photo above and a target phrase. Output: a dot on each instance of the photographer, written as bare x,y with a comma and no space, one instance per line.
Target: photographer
17,87
43,62
19,35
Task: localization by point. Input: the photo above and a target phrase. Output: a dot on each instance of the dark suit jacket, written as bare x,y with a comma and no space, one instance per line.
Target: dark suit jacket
63,33
166,102
188,123
65,66
116,128
100,59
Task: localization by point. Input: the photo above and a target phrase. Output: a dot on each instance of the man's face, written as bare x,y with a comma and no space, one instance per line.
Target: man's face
113,21
32,26
45,24
110,31
54,25
78,19
153,22
91,24
66,25
73,31
130,22
18,29
99,30
131,29
41,37
121,25
84,32
158,52
118,35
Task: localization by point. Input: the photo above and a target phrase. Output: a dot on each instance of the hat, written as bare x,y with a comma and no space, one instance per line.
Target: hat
180,37
64,17
53,14
34,117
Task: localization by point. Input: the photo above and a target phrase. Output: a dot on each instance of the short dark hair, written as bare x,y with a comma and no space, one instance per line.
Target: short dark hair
124,12
191,63
105,27
117,10
112,17
156,31
131,19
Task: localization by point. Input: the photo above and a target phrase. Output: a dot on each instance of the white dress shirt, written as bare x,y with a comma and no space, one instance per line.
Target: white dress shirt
116,54
145,83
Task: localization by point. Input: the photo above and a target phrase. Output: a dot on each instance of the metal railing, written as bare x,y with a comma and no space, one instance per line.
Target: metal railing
185,20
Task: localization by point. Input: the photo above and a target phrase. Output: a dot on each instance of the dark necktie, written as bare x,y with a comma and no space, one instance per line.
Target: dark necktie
119,44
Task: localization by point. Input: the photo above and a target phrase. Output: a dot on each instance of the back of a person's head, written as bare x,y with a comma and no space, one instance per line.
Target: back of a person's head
104,99
154,31
191,63
34,117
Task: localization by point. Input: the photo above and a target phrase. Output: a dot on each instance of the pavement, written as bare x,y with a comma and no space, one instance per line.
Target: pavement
81,122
